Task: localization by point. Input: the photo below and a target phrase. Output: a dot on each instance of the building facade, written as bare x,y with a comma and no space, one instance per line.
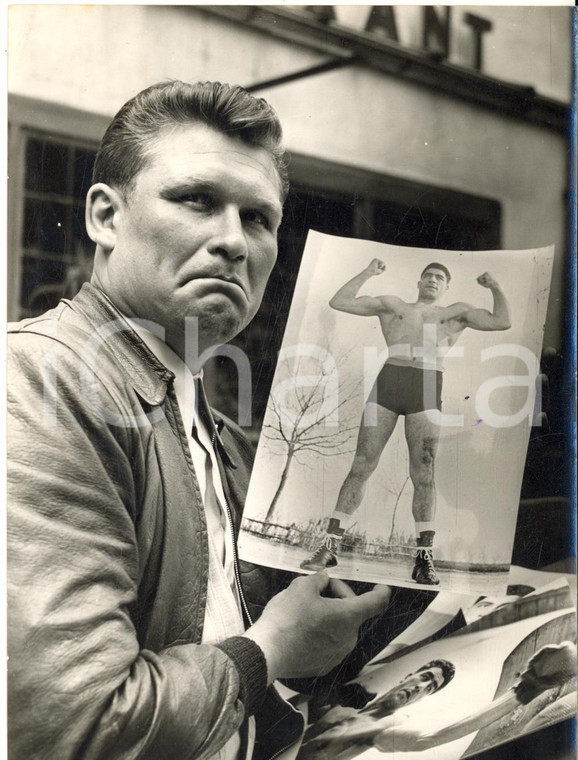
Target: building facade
434,127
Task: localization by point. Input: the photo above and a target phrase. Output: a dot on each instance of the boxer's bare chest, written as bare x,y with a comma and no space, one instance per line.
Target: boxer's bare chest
414,323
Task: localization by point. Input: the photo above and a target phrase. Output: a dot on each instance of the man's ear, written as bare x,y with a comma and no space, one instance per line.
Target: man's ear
102,206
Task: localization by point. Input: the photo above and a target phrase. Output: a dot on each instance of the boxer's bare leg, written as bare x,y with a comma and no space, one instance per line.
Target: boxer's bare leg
422,436
371,442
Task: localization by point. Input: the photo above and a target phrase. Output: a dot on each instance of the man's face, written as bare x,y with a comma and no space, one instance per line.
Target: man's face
432,284
418,685
197,235
413,687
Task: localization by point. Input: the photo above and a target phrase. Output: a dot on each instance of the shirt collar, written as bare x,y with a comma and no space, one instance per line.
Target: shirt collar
184,384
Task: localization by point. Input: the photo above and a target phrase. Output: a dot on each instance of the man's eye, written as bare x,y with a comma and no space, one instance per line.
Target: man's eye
196,199
256,217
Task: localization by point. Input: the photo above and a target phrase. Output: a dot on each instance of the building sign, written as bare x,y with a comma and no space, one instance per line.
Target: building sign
432,29
448,49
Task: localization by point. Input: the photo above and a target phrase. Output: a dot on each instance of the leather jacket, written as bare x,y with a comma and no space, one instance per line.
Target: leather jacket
108,556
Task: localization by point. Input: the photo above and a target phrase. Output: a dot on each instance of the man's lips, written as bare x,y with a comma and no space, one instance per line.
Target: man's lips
225,278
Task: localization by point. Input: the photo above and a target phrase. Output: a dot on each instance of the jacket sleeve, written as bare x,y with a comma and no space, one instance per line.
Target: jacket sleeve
79,686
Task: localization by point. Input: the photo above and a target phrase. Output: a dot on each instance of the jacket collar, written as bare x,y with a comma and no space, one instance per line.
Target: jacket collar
140,367
138,364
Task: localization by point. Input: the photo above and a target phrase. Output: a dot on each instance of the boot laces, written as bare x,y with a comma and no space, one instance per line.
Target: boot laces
327,543
426,556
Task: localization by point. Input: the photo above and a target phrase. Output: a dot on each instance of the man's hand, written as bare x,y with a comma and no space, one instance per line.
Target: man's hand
305,632
487,280
347,298
552,665
482,319
375,267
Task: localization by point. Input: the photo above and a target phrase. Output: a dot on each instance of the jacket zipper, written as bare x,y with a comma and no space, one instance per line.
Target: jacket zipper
236,569
241,593
297,713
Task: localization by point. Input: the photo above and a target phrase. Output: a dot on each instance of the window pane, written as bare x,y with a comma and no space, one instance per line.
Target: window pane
425,227
57,177
45,226
83,163
46,167
42,284
310,210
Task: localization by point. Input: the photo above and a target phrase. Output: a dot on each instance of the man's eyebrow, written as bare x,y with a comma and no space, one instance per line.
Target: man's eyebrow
189,183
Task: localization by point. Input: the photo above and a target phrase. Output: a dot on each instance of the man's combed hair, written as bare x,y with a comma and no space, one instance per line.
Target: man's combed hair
435,265
228,109
447,668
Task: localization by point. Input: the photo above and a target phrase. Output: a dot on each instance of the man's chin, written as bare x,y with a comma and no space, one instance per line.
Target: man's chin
213,321
397,700
219,326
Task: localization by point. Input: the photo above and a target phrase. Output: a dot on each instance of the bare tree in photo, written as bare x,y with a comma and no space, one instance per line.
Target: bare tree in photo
305,418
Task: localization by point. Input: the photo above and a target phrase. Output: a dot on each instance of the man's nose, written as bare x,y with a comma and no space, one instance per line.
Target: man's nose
229,238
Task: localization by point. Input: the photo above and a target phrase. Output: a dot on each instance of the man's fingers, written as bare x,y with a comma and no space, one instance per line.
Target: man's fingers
318,581
341,590
372,602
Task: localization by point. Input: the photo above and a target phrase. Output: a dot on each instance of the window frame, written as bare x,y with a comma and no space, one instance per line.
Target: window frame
312,173
31,117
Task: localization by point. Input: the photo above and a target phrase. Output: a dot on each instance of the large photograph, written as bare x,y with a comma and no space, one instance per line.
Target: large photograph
509,673
395,437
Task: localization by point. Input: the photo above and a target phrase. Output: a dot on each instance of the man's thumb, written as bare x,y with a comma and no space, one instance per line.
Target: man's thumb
372,602
318,581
